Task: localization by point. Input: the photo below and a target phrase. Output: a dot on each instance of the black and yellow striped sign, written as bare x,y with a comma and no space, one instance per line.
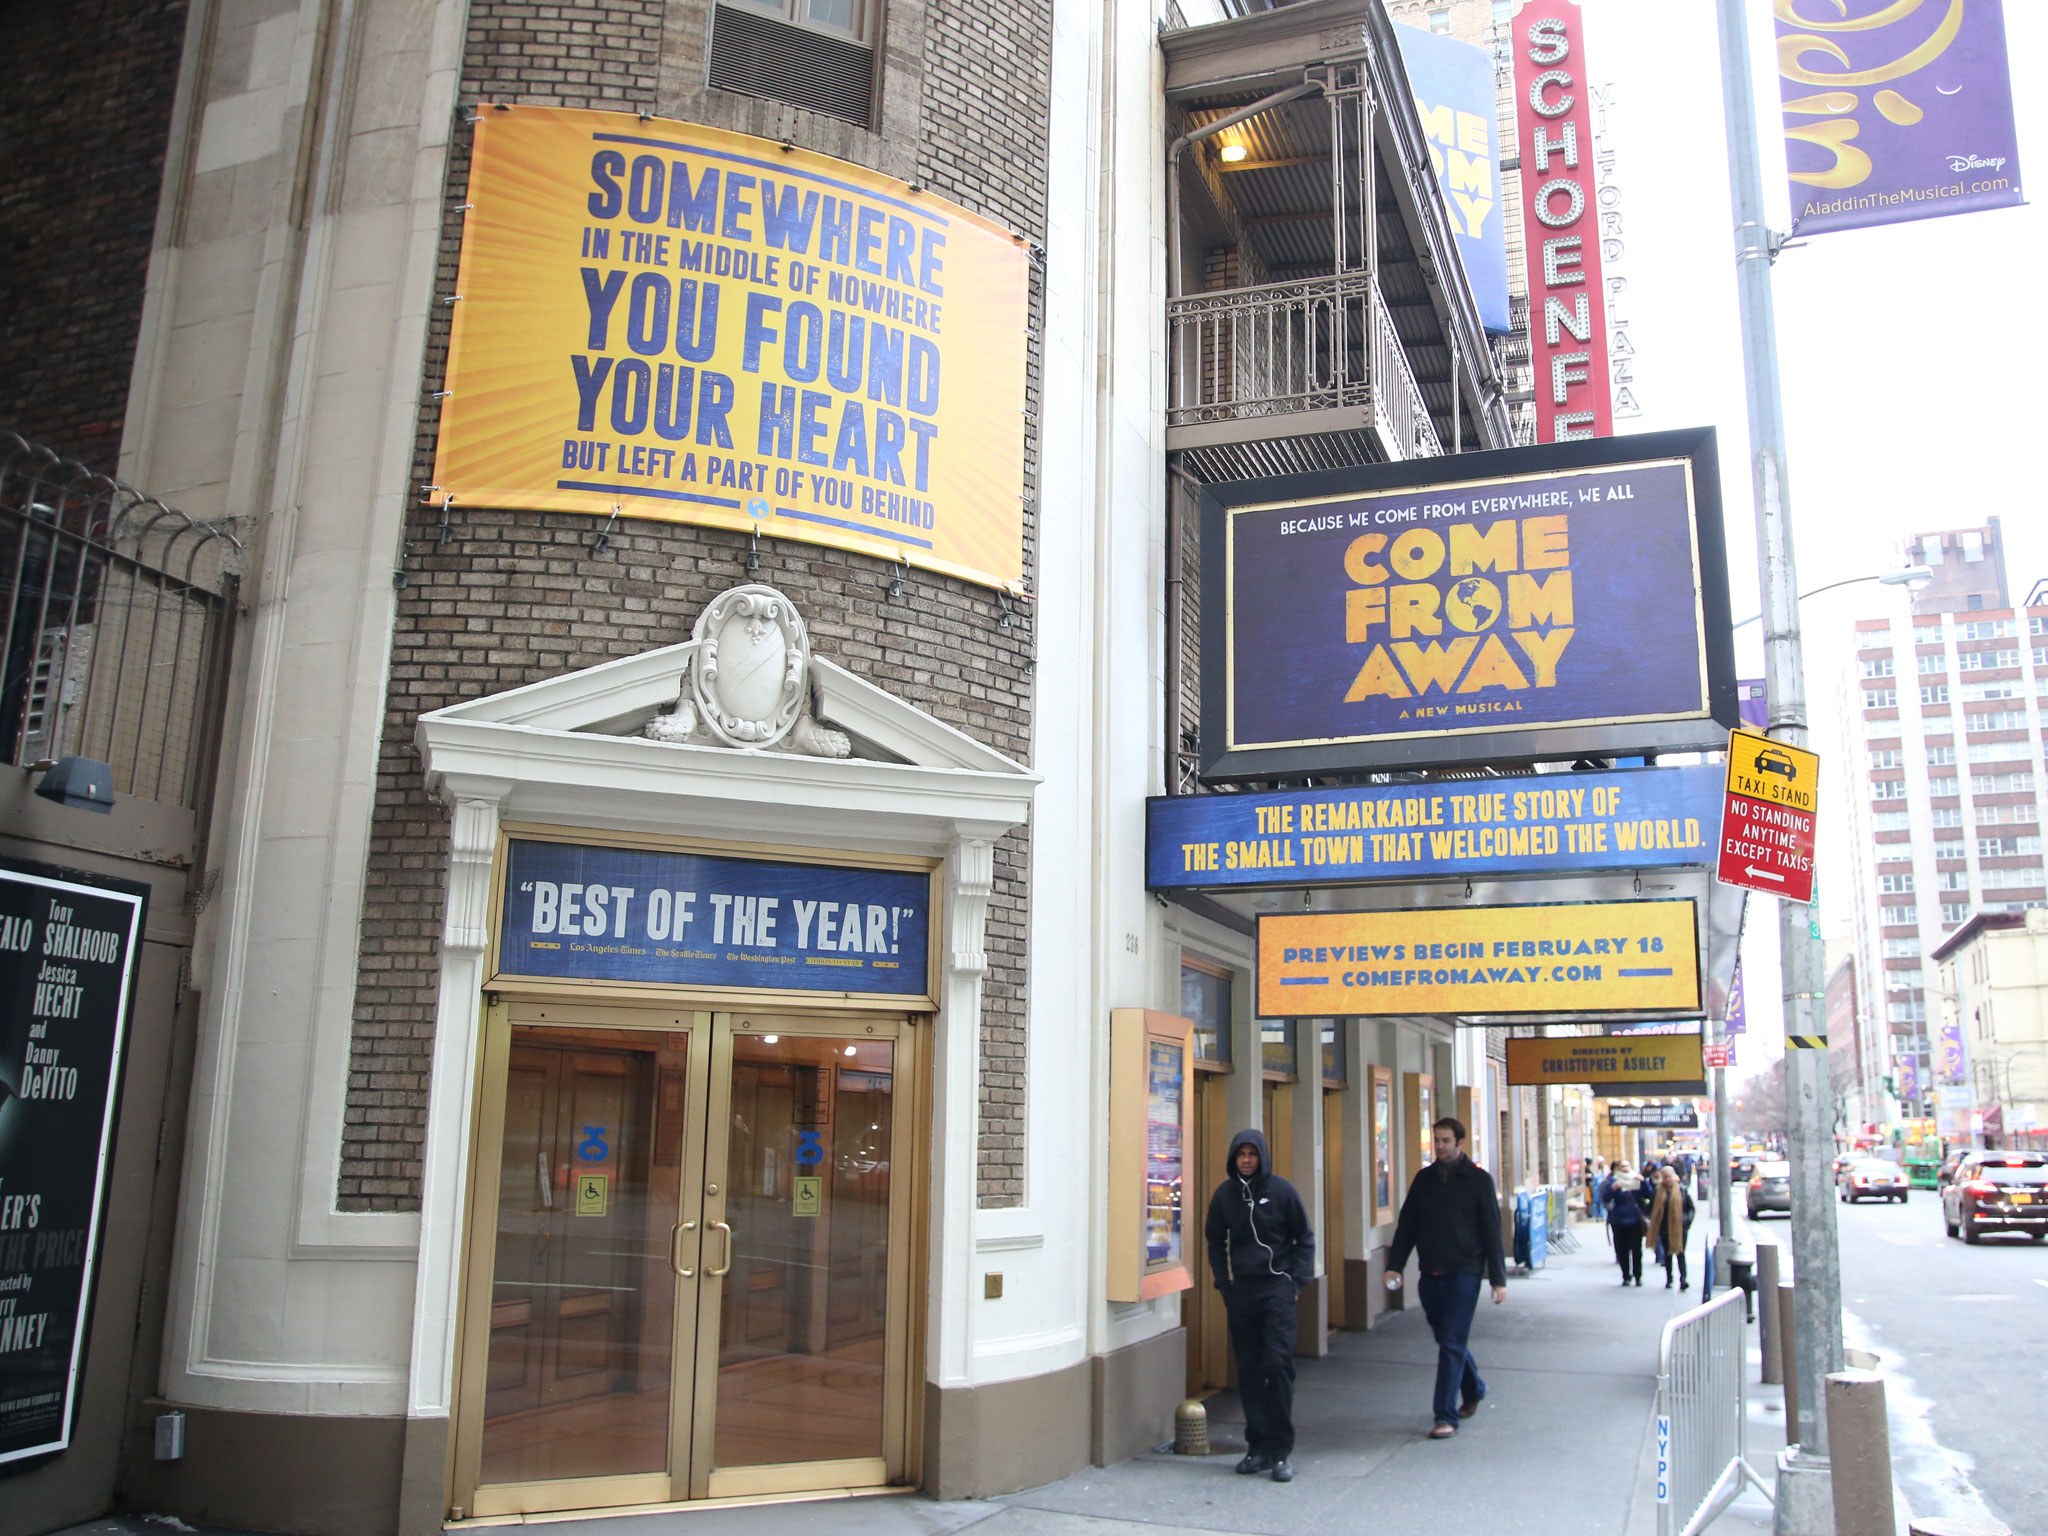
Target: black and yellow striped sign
1806,1042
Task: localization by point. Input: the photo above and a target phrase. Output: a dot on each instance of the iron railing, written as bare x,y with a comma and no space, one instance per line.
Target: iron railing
118,614
1702,1419
1286,349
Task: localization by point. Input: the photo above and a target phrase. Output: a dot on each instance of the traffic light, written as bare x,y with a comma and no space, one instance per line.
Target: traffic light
1891,1085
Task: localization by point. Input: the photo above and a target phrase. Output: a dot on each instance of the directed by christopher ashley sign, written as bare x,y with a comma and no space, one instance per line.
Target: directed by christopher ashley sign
1566,958
1605,1060
684,919
1538,601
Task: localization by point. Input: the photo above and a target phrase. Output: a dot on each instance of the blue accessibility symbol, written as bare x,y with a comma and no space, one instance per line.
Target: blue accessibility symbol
593,1148
810,1149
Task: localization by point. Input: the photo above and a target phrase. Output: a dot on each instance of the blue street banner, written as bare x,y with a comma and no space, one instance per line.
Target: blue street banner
592,913
1454,97
1632,819
1738,1011
1518,605
1902,112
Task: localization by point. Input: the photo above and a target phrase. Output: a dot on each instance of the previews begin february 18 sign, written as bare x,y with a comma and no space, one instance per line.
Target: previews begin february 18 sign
704,327
686,919
67,970
1519,613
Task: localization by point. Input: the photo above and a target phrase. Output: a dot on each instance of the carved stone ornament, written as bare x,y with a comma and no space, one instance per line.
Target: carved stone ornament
747,681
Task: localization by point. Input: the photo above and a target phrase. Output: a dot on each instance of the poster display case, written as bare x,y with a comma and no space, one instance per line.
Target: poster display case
1152,1204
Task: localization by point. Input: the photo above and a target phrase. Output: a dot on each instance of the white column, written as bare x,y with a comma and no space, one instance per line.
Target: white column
956,1106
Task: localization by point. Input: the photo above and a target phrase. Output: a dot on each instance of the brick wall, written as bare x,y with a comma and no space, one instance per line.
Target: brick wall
84,116
518,596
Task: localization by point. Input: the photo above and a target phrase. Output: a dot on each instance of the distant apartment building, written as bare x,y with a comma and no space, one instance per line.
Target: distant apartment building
1943,710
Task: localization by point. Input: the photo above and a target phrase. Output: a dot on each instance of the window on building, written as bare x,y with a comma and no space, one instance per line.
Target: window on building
1977,693
1884,757
1891,821
815,54
1336,1060
1907,980
1954,913
1997,720
1895,885
1949,850
2037,624
2028,843
1952,880
1880,698
1985,629
2040,652
1205,998
1945,785
1905,1010
1877,666
1996,751
1898,917
2001,783
1278,1042
2006,879
1940,756
1946,816
1979,661
1901,949
1931,661
1440,21
1934,693
1888,789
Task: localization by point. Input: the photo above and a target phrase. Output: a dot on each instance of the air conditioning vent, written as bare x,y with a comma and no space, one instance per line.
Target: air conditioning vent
759,56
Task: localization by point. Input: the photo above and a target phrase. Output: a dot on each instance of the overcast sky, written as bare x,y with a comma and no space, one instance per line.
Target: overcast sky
1911,360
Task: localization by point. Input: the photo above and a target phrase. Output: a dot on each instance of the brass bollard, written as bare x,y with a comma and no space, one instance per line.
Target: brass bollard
1191,1429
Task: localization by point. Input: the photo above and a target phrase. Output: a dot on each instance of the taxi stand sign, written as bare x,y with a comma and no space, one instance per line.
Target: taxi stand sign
1768,816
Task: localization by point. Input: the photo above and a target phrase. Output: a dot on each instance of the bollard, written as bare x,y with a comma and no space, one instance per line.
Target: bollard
1788,1361
1767,1328
1860,1454
1191,1429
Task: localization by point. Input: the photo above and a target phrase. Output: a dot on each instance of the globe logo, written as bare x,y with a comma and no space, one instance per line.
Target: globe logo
1473,604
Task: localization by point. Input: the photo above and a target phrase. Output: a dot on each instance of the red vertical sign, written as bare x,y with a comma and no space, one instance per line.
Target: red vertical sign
1560,224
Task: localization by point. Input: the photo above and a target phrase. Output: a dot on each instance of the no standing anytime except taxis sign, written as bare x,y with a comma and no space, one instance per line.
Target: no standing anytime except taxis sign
1767,819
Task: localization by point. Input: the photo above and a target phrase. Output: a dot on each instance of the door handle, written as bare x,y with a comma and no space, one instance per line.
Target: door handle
675,1249
726,1267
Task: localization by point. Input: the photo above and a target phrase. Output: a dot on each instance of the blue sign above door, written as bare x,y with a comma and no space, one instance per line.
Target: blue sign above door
589,913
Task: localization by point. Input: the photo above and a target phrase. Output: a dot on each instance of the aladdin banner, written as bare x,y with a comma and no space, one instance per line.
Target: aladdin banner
1895,111
1519,613
1953,1064
672,322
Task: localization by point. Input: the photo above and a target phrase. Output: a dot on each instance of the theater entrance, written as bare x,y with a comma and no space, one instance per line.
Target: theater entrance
689,1258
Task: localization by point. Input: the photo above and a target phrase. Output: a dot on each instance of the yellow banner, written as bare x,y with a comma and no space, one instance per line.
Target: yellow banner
703,327
1577,958
1602,1059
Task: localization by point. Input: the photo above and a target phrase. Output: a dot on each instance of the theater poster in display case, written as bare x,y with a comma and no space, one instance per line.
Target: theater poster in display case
1152,1129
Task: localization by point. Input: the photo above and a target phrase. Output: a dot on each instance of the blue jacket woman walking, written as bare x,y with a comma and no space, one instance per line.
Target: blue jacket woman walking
1625,1222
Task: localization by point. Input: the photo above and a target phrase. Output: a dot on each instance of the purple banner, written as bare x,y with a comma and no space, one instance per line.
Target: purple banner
1738,1015
1903,111
1750,699
1909,1078
1951,1062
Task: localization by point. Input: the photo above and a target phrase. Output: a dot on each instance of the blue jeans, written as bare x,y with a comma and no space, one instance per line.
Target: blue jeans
1449,1301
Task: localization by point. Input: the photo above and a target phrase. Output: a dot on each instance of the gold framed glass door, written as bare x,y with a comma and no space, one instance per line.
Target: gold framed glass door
803,1341
688,1260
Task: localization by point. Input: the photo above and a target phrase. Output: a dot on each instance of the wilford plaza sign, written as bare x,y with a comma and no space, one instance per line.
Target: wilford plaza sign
1525,604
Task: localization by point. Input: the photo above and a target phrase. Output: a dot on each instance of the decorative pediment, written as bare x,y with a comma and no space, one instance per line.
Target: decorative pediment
743,710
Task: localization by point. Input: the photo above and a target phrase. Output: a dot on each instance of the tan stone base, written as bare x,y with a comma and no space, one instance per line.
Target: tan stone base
985,1440
272,1472
1135,1391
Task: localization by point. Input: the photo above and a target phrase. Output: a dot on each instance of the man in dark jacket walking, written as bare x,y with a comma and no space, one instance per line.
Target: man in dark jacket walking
1451,1221
1262,1252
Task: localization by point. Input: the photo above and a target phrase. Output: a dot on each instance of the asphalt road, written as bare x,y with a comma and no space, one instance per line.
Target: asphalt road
1964,1336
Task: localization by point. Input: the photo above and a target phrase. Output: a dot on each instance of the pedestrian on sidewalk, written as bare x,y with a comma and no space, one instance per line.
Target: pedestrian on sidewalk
1671,1214
1596,1175
1261,1252
1451,1221
1625,1223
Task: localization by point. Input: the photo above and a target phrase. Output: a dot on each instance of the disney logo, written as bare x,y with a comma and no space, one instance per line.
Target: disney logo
1974,163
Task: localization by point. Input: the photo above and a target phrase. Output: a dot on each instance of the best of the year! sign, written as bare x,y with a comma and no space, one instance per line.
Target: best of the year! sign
67,972
1582,957
698,326
594,913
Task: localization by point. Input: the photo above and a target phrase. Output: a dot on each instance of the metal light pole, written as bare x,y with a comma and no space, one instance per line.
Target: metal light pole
1817,1319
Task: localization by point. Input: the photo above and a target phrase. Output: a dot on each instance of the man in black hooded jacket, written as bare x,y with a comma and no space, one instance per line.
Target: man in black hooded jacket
1261,1253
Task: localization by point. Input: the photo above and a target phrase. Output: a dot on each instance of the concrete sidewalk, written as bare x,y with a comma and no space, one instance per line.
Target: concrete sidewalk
1563,1443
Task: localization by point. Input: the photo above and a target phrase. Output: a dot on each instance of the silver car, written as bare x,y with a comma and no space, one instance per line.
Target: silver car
1871,1178
1770,1188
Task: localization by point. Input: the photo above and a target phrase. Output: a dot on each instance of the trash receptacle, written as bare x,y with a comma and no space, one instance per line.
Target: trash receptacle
1742,1273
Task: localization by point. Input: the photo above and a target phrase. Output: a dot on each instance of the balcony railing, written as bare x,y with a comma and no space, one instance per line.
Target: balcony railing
1278,359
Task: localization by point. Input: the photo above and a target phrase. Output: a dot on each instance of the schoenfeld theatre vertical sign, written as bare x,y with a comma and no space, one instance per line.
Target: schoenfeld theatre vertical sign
67,979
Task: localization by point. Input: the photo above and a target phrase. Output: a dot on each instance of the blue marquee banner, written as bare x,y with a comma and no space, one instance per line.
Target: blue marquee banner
1454,97
1636,818
591,913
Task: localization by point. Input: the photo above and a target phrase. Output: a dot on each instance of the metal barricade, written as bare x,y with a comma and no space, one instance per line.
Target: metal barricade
1702,1419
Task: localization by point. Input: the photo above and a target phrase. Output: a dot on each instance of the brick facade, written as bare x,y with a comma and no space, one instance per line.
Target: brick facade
85,117
513,597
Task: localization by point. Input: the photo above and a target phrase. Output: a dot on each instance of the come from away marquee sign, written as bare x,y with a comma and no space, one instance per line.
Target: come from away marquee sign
663,917
1632,819
1517,605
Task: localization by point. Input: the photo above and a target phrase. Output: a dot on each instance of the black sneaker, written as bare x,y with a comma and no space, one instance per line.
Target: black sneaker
1255,1461
1283,1471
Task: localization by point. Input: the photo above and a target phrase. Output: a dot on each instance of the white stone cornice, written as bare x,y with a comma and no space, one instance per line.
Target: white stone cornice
473,842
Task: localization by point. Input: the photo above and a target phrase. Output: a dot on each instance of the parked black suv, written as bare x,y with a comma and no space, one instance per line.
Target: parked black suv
1997,1192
